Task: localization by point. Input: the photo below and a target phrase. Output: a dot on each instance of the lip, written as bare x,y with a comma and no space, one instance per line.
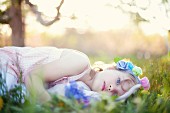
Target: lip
104,86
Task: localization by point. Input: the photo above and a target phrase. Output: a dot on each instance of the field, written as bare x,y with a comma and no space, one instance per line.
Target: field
156,100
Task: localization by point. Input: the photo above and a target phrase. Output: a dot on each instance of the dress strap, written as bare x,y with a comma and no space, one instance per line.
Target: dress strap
76,77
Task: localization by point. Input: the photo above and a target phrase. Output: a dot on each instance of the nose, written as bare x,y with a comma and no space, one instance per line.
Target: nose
111,88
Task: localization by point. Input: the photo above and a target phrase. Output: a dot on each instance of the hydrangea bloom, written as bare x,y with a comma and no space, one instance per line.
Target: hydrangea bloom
72,91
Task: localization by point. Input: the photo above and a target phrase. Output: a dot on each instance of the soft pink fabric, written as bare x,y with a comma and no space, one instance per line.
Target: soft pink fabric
27,58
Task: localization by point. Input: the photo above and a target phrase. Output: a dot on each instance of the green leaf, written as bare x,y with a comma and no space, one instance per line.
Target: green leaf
116,59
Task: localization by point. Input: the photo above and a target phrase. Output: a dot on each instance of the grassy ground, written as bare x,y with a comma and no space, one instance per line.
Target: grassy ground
156,100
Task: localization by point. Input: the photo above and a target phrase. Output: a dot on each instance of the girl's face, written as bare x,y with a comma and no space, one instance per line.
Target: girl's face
113,82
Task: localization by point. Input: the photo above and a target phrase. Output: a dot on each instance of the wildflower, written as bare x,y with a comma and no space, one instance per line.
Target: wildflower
1,103
145,92
72,91
159,95
61,104
145,83
137,100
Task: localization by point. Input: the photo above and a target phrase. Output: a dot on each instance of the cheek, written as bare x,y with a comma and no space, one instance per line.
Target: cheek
126,85
100,77
104,78
121,93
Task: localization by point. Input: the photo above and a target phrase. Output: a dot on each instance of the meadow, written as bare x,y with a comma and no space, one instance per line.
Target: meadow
156,100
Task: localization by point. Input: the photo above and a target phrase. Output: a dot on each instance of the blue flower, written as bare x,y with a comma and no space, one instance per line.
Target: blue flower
130,65
124,65
72,91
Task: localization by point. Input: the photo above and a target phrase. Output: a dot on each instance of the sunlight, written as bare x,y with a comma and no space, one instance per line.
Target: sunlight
142,3
93,14
48,7
5,29
2,6
149,28
155,14
101,15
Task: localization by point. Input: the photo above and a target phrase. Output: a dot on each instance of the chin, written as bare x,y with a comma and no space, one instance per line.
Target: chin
96,90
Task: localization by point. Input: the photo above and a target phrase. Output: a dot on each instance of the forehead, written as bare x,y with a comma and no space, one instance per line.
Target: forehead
114,73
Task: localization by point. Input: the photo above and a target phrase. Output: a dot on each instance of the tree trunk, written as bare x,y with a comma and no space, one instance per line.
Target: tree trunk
17,23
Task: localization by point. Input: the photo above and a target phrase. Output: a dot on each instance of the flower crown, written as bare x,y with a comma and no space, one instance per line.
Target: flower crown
127,66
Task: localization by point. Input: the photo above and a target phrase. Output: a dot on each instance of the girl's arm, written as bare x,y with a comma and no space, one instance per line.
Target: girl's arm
70,63
35,86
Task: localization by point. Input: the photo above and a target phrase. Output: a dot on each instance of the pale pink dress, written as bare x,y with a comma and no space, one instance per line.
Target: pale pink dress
20,61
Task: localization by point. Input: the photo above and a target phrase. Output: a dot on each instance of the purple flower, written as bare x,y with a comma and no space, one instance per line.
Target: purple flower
72,91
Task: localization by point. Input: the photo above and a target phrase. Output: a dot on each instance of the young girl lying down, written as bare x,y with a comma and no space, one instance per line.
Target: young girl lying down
51,70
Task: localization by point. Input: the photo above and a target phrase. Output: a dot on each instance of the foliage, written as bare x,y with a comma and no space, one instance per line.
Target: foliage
156,100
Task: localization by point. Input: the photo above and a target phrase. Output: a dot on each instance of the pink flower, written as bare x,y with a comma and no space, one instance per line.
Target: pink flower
145,83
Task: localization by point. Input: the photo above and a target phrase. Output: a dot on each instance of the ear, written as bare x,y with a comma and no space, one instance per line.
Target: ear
127,84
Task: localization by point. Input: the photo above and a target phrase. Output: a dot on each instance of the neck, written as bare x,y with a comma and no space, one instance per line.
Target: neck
89,78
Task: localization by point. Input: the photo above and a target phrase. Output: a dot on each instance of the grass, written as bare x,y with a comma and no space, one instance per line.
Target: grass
156,100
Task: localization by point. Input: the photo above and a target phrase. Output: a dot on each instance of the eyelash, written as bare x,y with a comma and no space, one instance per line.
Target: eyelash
118,81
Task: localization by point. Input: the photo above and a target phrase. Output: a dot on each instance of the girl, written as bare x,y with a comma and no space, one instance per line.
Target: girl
46,70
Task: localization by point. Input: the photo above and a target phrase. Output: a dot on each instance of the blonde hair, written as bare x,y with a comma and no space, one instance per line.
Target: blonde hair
100,66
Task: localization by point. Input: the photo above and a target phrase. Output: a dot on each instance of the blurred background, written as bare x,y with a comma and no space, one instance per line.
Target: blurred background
110,28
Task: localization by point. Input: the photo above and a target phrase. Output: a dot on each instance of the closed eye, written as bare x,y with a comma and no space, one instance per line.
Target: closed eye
118,81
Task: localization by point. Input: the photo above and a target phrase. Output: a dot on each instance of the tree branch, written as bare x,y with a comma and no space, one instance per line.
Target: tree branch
40,14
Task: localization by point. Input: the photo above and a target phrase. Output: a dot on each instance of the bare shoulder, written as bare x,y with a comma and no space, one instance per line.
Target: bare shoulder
71,63
75,54
75,59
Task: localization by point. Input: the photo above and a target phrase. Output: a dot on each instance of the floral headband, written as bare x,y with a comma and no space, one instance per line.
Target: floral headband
135,71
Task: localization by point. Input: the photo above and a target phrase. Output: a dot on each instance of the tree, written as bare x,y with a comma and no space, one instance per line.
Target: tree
13,15
140,10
